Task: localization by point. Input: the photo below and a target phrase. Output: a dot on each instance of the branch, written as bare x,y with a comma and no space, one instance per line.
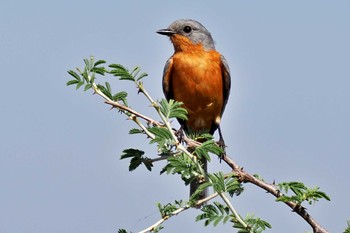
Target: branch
125,108
176,212
297,208
233,210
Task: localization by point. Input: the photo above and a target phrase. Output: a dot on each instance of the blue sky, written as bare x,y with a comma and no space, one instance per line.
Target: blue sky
287,118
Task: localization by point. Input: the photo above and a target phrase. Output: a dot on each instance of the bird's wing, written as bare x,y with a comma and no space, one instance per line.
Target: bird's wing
226,79
167,89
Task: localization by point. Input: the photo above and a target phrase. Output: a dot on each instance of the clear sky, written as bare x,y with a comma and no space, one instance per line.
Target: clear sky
287,118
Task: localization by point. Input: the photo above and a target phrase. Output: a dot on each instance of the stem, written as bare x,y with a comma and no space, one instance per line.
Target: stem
245,177
137,121
239,219
176,212
125,108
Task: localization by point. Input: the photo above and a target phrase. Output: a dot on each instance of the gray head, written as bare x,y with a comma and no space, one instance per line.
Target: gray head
191,29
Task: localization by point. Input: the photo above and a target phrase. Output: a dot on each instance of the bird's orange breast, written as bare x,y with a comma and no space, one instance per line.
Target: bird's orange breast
197,82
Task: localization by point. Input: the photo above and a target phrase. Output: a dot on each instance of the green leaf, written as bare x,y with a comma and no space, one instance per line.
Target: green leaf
184,166
121,72
218,181
129,153
122,231
203,186
121,96
87,86
99,70
207,147
136,131
214,213
79,85
89,63
172,109
72,82
162,136
108,87
99,62
256,225
74,74
233,186
301,193
136,158
105,91
141,76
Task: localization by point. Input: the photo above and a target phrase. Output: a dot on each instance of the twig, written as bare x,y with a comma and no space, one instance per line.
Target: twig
245,177
228,203
176,212
125,108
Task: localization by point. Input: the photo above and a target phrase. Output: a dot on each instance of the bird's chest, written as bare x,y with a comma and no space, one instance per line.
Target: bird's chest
197,81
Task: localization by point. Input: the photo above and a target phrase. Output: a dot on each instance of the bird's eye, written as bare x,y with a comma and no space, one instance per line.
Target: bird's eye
187,29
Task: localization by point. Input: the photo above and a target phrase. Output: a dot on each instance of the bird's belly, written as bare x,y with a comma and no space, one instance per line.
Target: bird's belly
198,84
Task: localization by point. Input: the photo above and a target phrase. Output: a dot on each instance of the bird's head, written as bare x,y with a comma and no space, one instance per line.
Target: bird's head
187,32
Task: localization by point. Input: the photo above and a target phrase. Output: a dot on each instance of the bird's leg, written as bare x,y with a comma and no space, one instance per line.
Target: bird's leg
221,143
180,134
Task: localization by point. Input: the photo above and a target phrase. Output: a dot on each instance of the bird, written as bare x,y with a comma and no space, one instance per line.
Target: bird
198,76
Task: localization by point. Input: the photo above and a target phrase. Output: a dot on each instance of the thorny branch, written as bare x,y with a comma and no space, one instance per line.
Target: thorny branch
242,175
245,177
176,212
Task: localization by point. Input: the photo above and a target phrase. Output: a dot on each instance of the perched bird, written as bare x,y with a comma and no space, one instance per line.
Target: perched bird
199,77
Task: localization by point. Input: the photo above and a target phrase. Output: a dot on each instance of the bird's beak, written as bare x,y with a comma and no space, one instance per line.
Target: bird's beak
166,32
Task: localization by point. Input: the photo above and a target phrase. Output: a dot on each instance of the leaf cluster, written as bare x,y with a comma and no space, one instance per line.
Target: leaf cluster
172,109
214,213
137,159
168,209
228,183
207,147
88,76
301,193
217,212
183,165
163,139
256,225
186,162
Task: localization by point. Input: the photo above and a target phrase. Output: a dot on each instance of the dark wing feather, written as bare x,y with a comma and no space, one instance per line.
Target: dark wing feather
226,79
167,83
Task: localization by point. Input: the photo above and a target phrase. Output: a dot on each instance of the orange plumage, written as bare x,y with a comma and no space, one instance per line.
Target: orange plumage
198,76
196,80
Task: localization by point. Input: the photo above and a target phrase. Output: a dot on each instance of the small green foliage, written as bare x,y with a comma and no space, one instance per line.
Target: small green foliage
207,147
214,214
195,196
301,193
228,184
122,231
173,109
124,74
168,209
183,165
256,225
136,159
163,138
157,229
88,77
217,212
121,72
136,131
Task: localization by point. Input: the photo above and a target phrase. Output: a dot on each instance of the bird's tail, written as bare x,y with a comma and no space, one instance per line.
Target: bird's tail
195,184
